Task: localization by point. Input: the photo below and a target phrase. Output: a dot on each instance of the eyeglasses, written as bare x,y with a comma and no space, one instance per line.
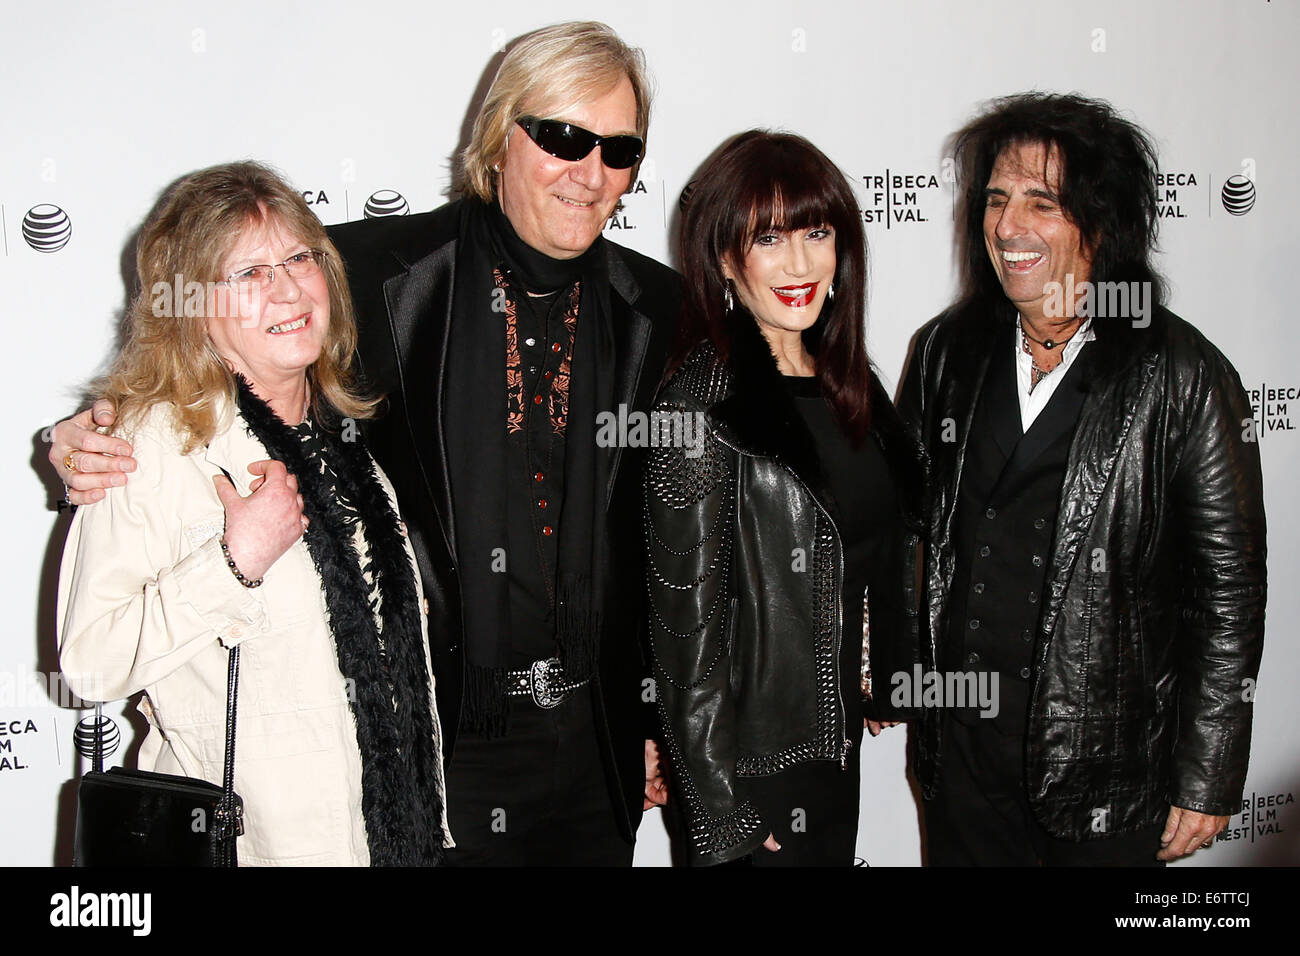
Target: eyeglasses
303,265
572,143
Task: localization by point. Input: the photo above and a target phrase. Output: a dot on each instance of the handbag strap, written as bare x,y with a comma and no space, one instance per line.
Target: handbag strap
230,815
228,766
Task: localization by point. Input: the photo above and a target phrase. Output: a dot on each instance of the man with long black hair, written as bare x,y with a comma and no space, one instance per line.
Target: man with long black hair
1097,526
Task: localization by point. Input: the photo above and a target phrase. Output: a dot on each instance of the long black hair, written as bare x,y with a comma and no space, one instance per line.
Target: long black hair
1107,189
760,181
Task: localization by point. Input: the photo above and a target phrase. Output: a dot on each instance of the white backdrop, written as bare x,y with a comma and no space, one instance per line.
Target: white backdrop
103,105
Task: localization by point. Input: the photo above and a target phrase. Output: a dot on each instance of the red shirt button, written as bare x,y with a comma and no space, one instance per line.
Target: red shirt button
550,375
555,346
548,531
541,502
538,477
537,399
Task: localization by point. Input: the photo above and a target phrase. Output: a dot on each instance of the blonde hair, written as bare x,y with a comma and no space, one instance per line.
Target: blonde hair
168,356
545,73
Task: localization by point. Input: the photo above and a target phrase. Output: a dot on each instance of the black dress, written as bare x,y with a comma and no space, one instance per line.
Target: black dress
812,807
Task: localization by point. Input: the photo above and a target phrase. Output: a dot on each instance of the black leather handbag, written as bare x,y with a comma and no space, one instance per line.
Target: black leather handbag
141,818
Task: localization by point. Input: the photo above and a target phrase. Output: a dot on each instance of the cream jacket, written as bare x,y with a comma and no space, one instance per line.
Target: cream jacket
146,603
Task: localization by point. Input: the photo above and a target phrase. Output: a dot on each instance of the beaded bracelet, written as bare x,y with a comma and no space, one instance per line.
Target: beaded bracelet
230,563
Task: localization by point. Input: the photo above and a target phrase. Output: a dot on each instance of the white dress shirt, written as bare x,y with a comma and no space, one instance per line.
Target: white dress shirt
1032,403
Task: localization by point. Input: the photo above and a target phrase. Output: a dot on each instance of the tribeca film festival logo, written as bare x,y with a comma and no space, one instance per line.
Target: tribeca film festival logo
18,736
11,759
1258,818
1270,407
1174,189
898,198
656,429
46,228
631,208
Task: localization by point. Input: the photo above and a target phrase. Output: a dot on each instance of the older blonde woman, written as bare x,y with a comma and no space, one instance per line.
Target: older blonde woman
258,519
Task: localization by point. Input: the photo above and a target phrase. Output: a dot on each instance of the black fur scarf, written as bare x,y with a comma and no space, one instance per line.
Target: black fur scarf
391,701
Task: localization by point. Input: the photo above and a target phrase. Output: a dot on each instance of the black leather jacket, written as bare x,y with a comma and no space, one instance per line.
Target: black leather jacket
1149,641
745,634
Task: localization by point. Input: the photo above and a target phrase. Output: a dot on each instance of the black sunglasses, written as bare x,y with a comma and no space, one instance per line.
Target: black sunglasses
572,143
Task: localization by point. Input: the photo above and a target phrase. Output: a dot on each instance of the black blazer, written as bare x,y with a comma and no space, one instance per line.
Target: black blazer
402,271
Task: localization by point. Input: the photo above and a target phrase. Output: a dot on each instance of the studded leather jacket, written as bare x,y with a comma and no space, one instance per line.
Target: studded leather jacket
1150,638
745,635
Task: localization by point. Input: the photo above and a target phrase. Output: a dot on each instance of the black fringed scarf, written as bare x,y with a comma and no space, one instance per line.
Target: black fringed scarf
478,458
391,703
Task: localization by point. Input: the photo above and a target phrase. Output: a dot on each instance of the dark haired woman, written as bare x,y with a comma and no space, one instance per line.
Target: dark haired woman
780,534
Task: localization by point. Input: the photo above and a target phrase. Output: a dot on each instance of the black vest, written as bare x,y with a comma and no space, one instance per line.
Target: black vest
1005,520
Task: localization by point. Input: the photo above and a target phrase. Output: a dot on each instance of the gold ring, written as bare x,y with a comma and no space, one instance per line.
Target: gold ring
69,463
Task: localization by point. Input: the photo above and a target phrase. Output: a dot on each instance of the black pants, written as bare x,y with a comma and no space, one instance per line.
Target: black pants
812,810
535,797
981,815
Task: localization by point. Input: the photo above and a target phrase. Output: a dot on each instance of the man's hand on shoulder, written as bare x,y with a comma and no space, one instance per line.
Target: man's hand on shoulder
86,461
1187,831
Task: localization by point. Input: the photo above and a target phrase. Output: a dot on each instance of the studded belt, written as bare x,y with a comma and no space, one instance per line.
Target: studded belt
544,682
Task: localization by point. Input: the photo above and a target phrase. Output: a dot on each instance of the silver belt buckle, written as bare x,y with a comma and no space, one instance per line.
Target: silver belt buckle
546,683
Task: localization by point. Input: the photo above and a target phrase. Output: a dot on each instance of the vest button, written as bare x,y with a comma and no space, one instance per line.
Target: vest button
1038,561
1038,523
974,624
979,587
991,513
1024,672
984,551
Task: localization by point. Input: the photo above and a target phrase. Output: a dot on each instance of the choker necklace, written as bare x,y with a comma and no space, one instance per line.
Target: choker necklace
1048,344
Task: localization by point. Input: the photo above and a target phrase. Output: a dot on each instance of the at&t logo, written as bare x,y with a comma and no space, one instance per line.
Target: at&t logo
47,228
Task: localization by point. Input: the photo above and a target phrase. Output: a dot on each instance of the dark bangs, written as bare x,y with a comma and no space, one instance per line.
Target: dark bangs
784,189
762,181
